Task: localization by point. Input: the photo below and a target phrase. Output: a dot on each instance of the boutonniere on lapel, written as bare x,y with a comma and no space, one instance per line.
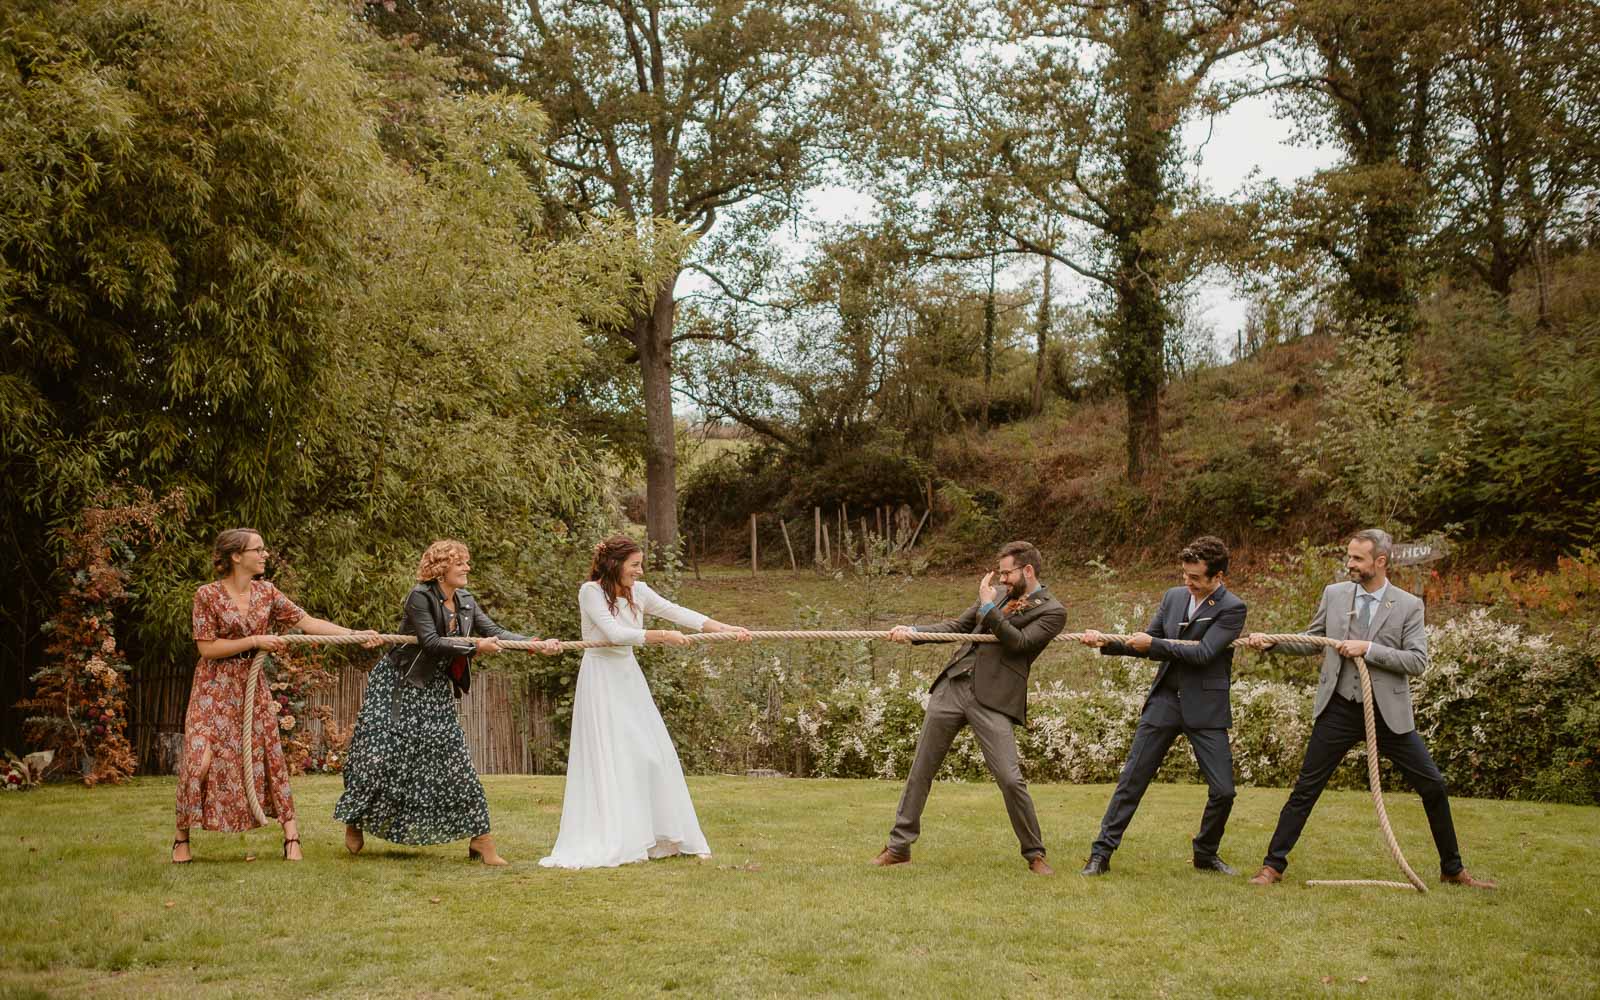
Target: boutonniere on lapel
1021,604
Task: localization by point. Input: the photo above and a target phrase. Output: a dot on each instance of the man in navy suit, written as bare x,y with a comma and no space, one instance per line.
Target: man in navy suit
1189,696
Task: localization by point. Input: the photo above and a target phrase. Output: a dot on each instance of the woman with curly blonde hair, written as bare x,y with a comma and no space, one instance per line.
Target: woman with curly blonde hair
408,777
626,799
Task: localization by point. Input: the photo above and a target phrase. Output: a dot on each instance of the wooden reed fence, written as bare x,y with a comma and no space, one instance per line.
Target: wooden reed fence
508,731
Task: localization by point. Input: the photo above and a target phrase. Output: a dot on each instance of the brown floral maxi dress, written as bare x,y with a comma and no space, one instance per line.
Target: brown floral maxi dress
215,798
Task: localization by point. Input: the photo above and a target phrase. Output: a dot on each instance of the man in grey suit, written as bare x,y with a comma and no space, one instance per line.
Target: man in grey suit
1192,636
984,685
1374,619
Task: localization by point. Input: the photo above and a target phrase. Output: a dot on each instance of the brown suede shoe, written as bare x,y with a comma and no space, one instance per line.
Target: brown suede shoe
1039,866
1464,878
1266,876
481,848
887,858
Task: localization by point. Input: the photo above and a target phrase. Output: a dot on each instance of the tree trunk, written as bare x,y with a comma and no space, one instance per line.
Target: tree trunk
988,342
1036,406
1382,112
653,335
1138,334
1141,319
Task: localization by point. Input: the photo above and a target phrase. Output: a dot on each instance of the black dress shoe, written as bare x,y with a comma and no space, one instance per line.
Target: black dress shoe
1216,865
1098,864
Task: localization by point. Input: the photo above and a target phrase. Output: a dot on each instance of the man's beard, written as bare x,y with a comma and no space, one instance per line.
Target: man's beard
1360,577
1018,590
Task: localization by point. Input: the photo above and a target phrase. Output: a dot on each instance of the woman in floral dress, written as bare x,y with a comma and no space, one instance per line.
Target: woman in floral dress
408,776
234,616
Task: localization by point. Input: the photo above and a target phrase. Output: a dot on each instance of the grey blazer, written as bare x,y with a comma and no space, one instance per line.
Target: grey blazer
1399,649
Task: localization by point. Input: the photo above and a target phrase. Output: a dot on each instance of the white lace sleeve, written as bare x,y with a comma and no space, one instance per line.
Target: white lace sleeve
592,603
653,603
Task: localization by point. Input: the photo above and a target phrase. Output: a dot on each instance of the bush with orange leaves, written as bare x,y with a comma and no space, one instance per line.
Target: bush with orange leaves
79,706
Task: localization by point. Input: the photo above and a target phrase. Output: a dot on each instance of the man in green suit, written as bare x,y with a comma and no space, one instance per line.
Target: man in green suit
985,686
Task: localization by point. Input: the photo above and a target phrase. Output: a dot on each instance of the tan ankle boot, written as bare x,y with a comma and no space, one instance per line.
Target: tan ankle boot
482,849
354,841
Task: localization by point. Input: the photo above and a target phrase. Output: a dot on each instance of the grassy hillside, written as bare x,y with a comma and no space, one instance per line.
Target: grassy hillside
1058,479
1492,403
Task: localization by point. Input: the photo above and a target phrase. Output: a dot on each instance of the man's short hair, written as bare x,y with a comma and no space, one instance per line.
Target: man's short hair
1382,544
1208,549
1024,554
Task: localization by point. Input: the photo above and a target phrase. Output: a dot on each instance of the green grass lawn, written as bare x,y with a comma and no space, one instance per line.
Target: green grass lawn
789,905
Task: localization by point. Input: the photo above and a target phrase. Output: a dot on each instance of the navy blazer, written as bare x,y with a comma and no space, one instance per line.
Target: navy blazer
1205,671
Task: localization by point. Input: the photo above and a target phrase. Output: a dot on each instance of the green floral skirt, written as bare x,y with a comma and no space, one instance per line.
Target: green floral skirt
408,776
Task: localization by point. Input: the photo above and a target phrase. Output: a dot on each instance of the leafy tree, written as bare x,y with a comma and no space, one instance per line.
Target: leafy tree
695,113
177,201
1382,449
1520,103
1033,115
249,251
1367,76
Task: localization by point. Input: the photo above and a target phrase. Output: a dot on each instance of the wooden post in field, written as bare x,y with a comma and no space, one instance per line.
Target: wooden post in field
827,547
865,537
755,566
816,535
877,513
785,529
913,539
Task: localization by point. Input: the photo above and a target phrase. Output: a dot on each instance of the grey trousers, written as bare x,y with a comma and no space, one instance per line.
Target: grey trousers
951,706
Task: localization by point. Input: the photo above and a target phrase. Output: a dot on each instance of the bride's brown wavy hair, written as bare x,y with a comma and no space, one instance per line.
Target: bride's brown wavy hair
606,569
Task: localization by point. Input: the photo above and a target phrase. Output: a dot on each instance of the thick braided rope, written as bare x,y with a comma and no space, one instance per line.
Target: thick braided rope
248,759
1373,783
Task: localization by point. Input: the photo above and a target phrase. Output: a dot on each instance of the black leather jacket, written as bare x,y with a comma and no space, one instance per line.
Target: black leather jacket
425,617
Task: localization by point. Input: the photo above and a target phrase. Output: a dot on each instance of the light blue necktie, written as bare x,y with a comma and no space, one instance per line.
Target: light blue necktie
1364,621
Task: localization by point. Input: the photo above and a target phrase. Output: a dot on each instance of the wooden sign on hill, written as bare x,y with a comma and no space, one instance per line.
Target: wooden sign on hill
1415,554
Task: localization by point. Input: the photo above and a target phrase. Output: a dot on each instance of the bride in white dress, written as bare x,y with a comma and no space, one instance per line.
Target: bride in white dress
626,799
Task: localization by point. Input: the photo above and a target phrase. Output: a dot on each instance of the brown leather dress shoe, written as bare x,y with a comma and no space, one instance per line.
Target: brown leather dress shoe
1039,866
1266,876
887,857
1464,878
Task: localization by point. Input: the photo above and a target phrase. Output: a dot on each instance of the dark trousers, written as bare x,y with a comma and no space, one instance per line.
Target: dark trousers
1337,729
951,706
1159,725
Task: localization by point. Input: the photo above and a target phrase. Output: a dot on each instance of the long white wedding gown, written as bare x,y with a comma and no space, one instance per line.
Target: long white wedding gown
626,799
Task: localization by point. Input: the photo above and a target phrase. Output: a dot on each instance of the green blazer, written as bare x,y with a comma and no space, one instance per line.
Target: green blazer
1000,677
